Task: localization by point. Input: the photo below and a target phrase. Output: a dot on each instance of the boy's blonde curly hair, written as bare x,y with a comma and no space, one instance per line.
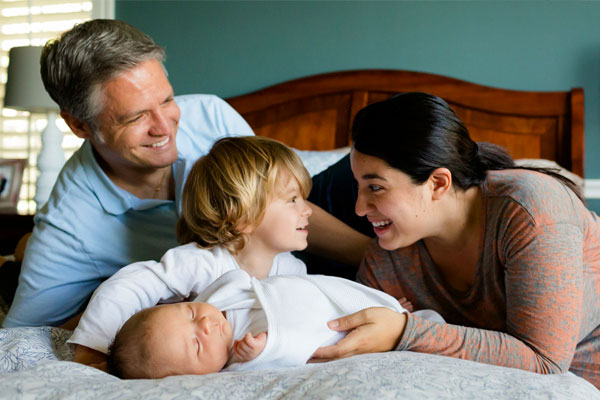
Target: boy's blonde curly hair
228,189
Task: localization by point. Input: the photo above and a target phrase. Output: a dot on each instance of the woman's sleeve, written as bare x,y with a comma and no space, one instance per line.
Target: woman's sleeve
544,294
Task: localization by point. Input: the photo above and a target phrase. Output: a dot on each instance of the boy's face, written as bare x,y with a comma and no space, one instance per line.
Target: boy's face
189,339
284,226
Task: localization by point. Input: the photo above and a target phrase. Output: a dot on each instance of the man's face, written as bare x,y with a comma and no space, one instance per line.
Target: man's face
139,120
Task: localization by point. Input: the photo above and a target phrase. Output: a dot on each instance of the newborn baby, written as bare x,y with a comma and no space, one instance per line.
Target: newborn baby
241,323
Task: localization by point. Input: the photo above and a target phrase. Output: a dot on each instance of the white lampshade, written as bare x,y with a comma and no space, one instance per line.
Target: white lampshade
24,88
25,92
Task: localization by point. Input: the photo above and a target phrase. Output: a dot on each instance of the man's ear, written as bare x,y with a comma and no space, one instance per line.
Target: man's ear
441,182
78,127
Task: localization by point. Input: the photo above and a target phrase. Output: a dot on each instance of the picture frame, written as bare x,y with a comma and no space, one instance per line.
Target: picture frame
11,178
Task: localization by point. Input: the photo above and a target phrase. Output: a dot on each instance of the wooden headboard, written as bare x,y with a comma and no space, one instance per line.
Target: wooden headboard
316,112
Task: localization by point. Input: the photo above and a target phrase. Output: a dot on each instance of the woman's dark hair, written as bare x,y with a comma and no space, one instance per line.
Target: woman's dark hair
417,133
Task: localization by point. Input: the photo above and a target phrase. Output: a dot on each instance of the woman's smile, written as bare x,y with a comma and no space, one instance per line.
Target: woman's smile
381,226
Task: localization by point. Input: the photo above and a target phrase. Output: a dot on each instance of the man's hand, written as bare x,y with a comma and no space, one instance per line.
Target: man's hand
93,358
372,330
249,347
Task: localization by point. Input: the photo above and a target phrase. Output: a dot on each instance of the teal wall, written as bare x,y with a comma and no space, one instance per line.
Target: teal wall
233,47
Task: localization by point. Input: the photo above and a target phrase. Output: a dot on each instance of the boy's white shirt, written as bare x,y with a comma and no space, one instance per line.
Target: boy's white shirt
182,273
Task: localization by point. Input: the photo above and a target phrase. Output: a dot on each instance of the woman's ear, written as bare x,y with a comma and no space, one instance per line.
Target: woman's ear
441,182
78,127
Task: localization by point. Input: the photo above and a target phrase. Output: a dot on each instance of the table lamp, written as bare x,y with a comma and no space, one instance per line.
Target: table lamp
25,92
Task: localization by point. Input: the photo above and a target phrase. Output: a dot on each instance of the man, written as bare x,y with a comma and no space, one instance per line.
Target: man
116,200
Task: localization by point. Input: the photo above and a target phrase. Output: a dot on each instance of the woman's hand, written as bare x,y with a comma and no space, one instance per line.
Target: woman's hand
372,330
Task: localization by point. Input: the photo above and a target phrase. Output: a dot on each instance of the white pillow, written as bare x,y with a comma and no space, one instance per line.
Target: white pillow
317,161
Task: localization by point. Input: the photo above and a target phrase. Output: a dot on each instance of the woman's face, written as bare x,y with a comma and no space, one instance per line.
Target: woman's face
393,204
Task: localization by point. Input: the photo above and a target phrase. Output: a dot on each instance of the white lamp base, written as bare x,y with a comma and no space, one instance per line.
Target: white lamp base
49,161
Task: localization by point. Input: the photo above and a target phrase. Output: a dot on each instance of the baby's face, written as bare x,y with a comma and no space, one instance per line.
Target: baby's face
189,338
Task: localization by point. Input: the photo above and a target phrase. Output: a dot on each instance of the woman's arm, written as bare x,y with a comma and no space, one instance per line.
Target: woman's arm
372,330
544,286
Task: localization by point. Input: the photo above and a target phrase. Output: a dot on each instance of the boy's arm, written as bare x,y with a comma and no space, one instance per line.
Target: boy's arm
181,271
93,358
249,347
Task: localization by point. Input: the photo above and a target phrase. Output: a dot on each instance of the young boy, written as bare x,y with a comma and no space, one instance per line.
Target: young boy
240,323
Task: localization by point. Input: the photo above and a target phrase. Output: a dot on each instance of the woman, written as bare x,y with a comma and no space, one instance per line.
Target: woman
509,256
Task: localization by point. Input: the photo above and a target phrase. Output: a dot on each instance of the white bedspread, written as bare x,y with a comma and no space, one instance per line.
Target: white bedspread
32,366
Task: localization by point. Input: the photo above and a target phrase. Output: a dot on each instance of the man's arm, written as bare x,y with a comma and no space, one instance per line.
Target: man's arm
329,237
56,279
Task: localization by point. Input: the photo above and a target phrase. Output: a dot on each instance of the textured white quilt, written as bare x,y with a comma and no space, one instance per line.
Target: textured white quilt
33,366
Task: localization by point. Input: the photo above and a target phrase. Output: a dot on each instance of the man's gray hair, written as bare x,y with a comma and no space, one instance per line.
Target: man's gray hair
75,65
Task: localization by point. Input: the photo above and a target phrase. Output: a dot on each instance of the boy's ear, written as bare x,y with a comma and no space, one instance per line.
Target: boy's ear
245,228
78,127
441,181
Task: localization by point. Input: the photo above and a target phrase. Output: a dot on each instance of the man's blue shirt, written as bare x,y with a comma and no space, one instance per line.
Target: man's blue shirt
90,227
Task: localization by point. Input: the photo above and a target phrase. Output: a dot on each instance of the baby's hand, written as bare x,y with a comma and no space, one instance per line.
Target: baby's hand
249,347
406,304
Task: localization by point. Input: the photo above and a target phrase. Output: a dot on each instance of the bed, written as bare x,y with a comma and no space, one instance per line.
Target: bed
314,115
